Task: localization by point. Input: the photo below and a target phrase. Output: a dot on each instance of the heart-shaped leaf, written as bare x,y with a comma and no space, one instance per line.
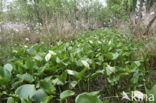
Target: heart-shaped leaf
39,95
87,98
25,91
66,94
8,67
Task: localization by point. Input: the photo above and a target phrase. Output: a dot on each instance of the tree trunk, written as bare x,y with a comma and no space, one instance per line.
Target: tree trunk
148,5
140,8
149,25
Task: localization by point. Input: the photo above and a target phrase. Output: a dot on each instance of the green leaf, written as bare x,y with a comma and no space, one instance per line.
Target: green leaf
26,77
57,81
25,91
58,60
38,58
115,56
76,74
152,93
8,67
39,95
97,73
73,84
94,93
138,63
47,86
11,100
31,51
108,56
63,77
87,98
5,76
25,101
46,99
135,78
66,94
110,70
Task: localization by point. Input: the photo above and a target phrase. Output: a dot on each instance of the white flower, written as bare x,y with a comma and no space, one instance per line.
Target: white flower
14,51
110,42
52,52
90,41
110,70
48,56
25,46
85,63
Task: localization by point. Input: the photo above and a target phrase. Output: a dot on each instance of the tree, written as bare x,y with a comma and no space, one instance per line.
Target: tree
149,25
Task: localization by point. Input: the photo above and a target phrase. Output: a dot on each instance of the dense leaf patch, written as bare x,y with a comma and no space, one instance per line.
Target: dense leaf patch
100,60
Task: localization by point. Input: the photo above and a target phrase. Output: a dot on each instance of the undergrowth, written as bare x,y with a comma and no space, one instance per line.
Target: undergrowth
100,65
